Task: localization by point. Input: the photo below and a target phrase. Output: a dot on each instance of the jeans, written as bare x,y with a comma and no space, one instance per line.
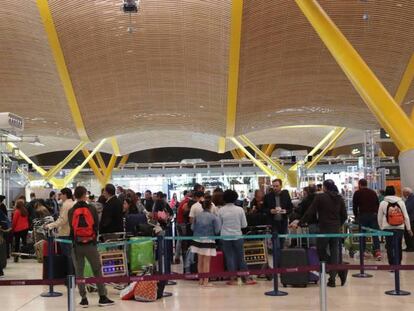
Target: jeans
409,240
17,236
332,257
370,221
393,244
234,255
90,252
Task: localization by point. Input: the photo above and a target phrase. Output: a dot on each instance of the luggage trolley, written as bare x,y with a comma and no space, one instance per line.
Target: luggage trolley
113,258
255,250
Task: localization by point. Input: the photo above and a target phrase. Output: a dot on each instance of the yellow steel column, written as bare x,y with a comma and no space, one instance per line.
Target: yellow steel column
235,154
389,114
282,171
317,147
41,171
259,164
76,171
115,146
94,167
123,161
338,133
53,171
269,149
101,162
221,145
234,59
406,81
57,52
110,168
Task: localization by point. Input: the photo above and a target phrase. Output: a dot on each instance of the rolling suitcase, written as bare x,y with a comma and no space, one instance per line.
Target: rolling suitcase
291,258
313,260
217,264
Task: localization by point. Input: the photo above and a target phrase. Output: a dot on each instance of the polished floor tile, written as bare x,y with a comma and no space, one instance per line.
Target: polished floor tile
358,294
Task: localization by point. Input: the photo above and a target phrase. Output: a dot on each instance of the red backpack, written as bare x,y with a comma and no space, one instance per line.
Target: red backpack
83,225
395,216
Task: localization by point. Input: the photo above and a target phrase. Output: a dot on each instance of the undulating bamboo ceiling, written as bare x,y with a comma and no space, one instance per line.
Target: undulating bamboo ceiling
165,84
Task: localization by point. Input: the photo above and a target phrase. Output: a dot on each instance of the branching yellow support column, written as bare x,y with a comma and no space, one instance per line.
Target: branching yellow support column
123,161
268,149
94,167
259,164
57,52
241,154
109,169
76,171
317,147
115,146
53,171
291,177
388,113
41,171
235,154
101,162
338,133
406,81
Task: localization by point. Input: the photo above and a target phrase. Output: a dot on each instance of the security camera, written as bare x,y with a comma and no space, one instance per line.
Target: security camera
130,6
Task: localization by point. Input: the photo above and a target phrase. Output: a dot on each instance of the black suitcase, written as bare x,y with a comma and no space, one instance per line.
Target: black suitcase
60,267
292,258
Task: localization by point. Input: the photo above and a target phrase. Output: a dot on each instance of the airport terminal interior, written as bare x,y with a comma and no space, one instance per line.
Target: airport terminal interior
207,154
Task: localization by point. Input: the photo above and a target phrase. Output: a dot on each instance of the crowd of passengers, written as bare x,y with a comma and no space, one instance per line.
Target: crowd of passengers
202,213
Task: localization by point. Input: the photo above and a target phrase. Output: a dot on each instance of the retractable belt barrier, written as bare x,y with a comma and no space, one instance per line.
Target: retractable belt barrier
166,275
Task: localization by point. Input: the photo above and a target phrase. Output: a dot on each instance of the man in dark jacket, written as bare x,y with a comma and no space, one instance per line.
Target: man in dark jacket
409,204
148,202
52,204
365,206
87,250
278,205
331,211
112,216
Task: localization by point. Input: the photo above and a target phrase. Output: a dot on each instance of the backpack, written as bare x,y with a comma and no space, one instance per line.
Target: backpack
83,225
395,216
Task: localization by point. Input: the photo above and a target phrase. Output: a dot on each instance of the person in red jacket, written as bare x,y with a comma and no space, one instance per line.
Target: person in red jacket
20,226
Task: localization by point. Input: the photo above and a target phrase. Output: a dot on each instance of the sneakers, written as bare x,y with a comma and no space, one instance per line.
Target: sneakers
105,301
331,283
377,255
84,303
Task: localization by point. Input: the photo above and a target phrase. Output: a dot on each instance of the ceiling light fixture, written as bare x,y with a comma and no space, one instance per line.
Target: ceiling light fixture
130,7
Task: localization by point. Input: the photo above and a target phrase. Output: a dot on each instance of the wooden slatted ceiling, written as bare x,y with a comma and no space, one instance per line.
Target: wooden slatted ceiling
29,83
170,73
288,77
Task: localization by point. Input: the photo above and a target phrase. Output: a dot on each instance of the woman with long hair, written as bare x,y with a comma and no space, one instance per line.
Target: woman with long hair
20,226
205,224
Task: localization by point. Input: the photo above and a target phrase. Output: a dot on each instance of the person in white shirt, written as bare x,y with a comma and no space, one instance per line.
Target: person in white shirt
233,220
62,224
197,207
395,224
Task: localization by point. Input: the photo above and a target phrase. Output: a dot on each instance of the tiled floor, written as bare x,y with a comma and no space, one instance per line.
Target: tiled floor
358,294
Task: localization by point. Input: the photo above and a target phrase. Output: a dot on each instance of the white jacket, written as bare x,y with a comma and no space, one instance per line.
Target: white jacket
382,213
62,223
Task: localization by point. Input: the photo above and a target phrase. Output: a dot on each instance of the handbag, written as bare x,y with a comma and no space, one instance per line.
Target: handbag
146,291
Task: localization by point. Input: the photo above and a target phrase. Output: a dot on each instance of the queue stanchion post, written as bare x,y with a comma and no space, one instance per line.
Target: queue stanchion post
162,259
168,247
276,248
50,267
362,273
71,292
397,291
322,287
